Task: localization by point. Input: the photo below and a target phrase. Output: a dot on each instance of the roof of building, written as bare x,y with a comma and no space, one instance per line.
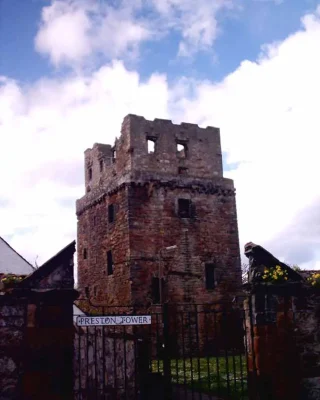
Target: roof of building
47,268
11,262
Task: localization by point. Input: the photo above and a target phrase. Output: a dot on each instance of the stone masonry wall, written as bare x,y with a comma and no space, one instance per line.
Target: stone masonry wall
97,236
12,325
209,236
282,325
107,166
36,333
36,346
145,187
307,319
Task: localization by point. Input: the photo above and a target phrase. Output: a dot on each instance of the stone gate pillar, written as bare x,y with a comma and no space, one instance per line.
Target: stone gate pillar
48,346
273,358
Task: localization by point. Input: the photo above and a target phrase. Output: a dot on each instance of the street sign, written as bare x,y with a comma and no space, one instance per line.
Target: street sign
114,320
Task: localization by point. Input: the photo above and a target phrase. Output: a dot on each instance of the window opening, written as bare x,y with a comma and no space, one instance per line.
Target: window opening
101,165
184,208
111,213
155,290
90,173
182,170
181,150
209,271
151,145
109,263
85,254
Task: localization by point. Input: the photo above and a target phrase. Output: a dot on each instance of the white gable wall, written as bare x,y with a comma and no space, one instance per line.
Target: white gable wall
11,262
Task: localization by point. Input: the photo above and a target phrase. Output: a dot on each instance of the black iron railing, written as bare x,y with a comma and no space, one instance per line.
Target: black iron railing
187,351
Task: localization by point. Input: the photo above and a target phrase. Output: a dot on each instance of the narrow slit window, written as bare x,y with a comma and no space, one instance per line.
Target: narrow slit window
101,165
90,174
151,145
111,213
184,208
87,293
181,150
85,254
155,290
109,263
210,275
182,171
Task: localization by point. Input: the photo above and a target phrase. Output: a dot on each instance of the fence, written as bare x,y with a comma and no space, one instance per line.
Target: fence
176,351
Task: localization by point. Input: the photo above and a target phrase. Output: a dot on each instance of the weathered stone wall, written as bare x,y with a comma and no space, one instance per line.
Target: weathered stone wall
36,346
282,324
209,236
145,188
36,333
96,236
12,326
307,322
104,364
107,165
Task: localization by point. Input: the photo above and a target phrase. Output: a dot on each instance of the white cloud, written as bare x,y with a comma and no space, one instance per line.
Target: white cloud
64,33
195,20
72,32
44,131
268,115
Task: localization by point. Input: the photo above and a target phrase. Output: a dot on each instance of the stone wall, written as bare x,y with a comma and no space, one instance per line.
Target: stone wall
36,345
36,333
307,322
107,165
95,238
104,364
282,324
209,236
12,326
144,189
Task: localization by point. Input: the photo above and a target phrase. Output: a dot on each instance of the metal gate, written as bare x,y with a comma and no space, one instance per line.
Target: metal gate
174,351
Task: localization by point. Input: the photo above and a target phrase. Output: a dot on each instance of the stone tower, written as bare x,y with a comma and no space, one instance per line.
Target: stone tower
160,185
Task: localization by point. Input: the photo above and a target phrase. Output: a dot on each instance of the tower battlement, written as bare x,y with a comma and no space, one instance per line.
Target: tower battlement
156,147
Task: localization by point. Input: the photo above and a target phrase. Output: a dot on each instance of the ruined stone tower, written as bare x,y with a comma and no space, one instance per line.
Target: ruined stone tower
160,185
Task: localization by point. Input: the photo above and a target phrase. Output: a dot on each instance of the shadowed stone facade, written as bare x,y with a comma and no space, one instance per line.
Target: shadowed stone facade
282,328
37,334
139,202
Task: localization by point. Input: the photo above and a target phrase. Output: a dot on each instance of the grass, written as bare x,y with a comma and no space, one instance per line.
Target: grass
222,376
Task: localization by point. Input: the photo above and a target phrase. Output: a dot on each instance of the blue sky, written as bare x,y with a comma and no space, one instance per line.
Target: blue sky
242,32
71,70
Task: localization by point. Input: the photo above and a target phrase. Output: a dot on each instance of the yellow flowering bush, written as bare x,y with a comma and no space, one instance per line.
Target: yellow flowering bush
11,279
314,279
275,275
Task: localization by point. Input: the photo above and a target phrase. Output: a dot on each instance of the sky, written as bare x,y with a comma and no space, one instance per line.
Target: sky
71,70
